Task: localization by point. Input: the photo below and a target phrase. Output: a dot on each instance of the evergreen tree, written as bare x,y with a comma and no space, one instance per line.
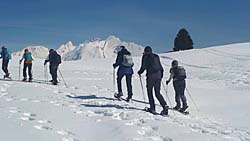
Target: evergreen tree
183,41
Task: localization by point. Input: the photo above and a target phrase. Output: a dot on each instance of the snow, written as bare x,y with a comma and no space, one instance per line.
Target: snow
101,49
39,52
218,81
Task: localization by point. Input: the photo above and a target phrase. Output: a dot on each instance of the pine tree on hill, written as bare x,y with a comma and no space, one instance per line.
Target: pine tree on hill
183,41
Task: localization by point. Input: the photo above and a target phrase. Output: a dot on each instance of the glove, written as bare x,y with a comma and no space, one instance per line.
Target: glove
114,66
167,82
139,73
44,63
20,62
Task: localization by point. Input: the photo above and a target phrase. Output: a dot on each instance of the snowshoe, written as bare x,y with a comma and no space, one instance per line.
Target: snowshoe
118,96
128,99
183,109
152,111
24,79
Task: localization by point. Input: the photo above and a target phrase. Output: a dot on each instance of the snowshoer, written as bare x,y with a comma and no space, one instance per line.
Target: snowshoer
178,74
6,56
125,63
27,57
151,63
54,59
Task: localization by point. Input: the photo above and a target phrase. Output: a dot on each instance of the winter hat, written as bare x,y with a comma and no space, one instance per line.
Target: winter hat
148,49
26,50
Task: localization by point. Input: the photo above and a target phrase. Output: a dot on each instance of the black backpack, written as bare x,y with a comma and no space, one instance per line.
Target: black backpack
154,64
180,73
55,58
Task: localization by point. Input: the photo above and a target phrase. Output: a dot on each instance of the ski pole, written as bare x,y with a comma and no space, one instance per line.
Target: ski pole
45,73
114,80
62,77
142,89
166,92
192,100
19,71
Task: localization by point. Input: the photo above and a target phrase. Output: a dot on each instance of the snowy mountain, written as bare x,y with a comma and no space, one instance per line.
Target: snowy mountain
218,86
39,52
101,49
65,48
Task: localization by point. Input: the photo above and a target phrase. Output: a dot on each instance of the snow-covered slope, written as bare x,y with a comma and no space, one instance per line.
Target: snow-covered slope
101,49
218,81
39,52
65,48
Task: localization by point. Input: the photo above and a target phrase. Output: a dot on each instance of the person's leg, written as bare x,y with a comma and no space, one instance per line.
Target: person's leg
150,84
177,95
6,68
24,71
30,71
129,85
119,82
182,93
157,89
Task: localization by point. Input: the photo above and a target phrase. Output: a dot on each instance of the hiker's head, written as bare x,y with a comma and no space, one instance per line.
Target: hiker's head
26,50
147,50
122,47
3,47
174,63
51,50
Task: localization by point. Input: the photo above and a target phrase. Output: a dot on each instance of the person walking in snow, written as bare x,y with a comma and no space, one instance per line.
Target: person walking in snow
27,57
125,63
6,56
55,60
178,74
151,63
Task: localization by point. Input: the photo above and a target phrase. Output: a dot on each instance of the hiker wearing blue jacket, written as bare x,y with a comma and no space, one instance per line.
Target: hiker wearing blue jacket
27,57
5,55
125,63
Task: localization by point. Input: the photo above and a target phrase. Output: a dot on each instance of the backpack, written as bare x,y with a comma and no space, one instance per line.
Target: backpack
127,60
28,57
58,59
180,73
154,63
8,55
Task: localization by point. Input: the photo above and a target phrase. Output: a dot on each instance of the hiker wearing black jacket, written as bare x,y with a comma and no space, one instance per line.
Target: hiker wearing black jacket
54,60
6,56
151,63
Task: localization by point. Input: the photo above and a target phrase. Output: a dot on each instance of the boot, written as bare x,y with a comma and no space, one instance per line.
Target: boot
30,79
128,99
164,112
150,110
184,108
177,108
118,95
24,79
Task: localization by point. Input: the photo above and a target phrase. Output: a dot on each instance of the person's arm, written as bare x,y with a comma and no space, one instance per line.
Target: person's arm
21,59
118,60
46,60
143,65
170,77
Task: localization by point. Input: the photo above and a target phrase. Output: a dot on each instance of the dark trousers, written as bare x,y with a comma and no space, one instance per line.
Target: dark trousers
156,84
53,71
25,66
128,82
5,64
179,87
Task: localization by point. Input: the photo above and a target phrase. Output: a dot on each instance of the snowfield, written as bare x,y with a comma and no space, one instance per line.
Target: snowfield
218,81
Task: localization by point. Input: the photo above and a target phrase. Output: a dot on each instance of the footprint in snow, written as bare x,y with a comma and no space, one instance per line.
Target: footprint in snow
42,127
64,133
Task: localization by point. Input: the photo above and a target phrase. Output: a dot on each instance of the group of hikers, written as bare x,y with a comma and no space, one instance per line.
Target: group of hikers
150,62
154,74
53,58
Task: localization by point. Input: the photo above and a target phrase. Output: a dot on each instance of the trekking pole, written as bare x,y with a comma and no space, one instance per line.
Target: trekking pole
166,92
62,77
114,80
192,100
142,89
45,73
19,72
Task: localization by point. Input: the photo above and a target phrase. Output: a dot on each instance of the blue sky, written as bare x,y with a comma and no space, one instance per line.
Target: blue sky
146,22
